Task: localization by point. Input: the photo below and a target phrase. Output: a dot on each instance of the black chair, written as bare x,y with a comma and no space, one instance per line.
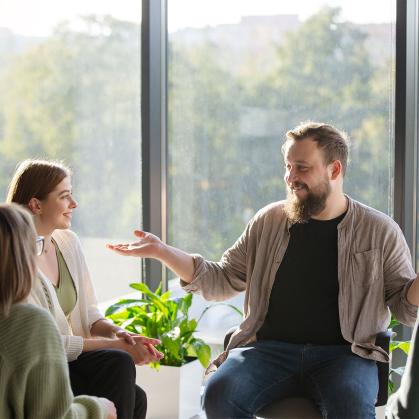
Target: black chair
302,407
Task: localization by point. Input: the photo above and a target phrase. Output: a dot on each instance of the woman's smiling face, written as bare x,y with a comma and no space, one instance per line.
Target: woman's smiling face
57,208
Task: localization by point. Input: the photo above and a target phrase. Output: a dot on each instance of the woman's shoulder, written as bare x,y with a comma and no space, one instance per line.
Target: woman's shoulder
27,323
29,315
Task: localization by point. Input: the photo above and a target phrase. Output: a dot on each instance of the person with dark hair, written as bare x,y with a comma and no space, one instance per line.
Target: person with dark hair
101,355
320,272
34,380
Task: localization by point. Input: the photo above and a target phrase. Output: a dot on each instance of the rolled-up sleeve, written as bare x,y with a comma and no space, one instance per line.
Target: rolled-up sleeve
224,279
398,277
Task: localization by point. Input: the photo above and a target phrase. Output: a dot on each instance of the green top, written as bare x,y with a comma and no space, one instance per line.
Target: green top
34,381
66,291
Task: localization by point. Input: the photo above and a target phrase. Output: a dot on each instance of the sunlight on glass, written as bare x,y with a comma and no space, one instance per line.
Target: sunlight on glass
69,77
240,79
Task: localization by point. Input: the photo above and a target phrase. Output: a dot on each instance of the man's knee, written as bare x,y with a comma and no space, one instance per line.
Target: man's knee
351,400
222,396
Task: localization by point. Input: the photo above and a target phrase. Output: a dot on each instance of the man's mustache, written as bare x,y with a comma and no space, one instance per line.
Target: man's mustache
298,185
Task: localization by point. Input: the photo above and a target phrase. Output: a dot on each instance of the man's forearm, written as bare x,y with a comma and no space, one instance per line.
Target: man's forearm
178,261
413,292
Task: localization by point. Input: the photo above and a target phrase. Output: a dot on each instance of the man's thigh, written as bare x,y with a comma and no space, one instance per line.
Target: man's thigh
344,385
252,377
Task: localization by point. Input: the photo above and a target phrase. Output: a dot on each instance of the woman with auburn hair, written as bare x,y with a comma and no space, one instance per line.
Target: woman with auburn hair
101,355
31,353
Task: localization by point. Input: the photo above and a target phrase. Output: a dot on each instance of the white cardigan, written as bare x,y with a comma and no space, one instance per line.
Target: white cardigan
85,312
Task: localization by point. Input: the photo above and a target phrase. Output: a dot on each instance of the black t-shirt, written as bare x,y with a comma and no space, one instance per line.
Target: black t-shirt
303,306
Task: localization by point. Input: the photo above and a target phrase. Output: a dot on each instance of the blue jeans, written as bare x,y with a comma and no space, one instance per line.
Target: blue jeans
341,384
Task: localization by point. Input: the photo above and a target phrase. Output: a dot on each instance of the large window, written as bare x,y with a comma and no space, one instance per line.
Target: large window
70,90
240,75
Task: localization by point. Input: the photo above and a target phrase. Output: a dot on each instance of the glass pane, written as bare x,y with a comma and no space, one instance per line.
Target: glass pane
70,83
240,79
241,73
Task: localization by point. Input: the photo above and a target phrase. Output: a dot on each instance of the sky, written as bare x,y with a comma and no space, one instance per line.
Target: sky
40,17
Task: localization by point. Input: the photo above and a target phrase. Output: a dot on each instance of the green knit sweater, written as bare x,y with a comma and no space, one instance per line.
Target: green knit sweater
34,381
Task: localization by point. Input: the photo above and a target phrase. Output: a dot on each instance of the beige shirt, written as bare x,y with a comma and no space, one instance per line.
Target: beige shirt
374,274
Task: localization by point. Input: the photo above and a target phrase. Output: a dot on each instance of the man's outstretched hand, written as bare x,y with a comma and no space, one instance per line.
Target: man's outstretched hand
147,246
150,246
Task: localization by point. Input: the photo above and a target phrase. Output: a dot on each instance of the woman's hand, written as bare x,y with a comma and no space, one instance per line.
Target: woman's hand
126,336
104,328
148,246
110,408
144,351
107,329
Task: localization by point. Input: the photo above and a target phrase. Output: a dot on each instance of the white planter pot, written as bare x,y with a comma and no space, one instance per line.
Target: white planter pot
172,392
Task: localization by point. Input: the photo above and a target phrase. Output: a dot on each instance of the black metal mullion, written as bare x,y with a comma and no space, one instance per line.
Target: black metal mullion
154,128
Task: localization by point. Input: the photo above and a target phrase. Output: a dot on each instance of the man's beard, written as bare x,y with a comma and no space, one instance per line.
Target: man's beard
301,210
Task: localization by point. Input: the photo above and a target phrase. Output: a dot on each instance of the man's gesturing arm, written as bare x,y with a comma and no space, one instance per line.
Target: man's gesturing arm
150,246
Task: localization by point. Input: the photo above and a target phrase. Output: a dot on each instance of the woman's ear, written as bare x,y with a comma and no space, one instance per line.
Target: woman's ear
35,206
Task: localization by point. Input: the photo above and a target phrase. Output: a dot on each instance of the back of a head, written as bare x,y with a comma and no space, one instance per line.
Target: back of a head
17,255
333,142
35,179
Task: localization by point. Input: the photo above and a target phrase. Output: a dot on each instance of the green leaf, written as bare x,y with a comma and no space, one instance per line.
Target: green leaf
185,303
142,287
165,296
402,345
171,346
157,315
187,326
119,316
393,323
203,351
123,304
153,297
390,387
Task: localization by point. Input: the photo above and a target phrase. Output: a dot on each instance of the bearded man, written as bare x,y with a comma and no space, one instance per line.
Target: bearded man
320,272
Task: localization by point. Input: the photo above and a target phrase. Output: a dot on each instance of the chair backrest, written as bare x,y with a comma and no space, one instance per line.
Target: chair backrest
383,341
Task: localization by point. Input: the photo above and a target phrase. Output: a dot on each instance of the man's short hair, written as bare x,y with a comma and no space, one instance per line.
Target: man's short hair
333,142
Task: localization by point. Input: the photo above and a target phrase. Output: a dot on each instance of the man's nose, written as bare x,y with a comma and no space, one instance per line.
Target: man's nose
290,176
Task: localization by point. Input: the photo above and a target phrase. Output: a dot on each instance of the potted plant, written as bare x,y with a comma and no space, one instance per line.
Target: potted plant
404,346
157,315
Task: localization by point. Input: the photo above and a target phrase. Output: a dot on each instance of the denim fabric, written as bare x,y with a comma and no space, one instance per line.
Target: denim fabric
342,384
